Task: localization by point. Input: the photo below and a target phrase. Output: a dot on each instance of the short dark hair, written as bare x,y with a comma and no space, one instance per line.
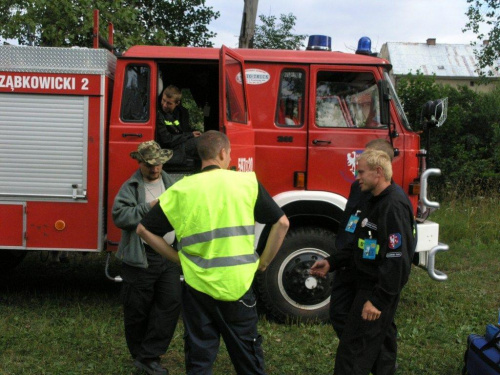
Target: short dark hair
211,143
173,92
381,145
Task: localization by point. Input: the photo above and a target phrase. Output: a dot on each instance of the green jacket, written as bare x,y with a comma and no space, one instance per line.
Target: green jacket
129,208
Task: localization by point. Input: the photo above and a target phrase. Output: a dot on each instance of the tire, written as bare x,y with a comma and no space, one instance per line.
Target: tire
288,291
9,259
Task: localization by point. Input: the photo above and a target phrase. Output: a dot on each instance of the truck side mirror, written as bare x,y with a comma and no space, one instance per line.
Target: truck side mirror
385,98
434,113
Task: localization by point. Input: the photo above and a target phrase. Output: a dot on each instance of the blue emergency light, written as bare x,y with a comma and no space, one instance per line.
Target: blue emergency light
319,43
364,46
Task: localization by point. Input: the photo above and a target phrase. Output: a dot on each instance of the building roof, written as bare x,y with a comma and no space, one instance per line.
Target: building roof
443,60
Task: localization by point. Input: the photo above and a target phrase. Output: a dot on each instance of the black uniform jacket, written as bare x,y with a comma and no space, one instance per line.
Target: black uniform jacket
387,219
169,136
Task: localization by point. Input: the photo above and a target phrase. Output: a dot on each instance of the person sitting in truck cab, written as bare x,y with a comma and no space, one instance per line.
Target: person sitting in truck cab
369,112
173,130
291,117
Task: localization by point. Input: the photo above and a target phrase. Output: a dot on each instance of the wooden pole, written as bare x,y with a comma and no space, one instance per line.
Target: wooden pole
248,23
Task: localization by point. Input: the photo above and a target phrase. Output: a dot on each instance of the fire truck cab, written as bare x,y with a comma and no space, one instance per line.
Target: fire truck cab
296,118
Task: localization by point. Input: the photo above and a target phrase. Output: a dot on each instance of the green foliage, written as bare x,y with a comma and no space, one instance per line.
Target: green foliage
414,90
466,147
176,23
485,14
195,113
70,22
272,35
68,319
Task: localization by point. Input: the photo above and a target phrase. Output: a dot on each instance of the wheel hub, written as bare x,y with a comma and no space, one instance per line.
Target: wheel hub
300,285
311,282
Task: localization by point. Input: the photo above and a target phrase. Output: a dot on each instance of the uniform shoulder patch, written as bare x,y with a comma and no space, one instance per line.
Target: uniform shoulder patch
394,241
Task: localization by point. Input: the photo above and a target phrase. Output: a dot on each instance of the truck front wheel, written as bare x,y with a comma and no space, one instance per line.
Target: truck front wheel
287,289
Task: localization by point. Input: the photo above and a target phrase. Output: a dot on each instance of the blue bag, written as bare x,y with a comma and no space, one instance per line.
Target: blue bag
492,330
482,356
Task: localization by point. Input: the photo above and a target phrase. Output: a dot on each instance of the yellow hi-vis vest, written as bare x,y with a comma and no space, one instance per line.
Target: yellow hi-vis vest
213,216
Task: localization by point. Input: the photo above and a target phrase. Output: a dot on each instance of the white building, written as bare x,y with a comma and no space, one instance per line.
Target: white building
453,64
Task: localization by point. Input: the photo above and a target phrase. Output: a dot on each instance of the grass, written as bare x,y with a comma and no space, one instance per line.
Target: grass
67,318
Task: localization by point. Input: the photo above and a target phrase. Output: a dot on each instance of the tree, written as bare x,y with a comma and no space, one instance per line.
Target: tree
414,90
277,36
466,147
70,22
177,22
485,13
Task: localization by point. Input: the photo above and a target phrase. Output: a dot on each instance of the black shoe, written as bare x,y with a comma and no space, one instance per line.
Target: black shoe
151,367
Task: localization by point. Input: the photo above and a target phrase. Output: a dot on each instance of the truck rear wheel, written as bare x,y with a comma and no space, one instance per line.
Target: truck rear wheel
287,289
11,258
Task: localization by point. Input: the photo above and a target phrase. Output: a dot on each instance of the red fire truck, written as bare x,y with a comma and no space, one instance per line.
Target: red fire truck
69,118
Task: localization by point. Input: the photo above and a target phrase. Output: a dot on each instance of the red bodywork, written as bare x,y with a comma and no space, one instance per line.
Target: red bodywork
276,153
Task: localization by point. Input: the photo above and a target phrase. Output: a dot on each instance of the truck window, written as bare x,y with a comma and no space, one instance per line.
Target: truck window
345,99
135,103
290,108
236,109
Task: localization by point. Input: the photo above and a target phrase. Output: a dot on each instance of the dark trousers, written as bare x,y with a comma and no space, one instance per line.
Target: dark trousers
343,293
151,304
206,319
367,346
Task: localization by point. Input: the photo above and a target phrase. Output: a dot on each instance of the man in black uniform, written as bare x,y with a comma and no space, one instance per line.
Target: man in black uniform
173,130
381,255
344,282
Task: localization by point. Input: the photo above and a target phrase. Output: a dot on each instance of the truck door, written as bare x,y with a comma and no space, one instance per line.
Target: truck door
131,123
344,116
234,111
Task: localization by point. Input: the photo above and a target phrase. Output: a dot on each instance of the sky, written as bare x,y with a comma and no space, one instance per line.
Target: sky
346,21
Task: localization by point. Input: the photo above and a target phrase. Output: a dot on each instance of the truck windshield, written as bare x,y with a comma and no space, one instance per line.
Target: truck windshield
347,99
399,106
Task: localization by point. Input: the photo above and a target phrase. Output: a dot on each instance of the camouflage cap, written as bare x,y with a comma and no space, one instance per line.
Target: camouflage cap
150,152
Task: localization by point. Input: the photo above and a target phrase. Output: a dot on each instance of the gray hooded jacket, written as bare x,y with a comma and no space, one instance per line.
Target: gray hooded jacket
129,208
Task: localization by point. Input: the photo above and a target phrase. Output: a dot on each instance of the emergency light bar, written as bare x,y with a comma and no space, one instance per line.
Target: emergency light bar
364,46
319,43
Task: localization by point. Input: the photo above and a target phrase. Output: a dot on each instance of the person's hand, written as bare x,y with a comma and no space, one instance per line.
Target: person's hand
261,267
320,268
370,312
152,203
196,133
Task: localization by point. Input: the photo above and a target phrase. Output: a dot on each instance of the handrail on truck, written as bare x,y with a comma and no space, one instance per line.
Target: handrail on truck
98,39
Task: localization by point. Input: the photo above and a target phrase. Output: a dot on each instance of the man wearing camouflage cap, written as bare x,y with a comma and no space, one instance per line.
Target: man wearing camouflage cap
151,284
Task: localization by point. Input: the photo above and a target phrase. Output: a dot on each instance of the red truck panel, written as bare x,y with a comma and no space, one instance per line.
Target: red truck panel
11,224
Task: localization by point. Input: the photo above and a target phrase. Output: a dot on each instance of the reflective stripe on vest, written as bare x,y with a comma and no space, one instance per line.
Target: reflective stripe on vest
213,217
217,233
223,261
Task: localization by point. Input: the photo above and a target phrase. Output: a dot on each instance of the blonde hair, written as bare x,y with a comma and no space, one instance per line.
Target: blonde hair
378,158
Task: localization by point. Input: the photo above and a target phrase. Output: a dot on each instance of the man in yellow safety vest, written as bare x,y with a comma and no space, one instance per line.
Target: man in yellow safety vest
214,214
